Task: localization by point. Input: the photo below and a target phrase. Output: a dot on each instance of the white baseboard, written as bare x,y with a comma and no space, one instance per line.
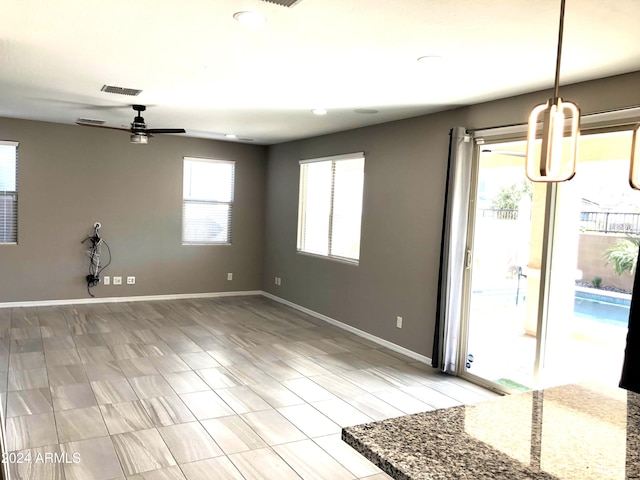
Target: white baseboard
380,341
142,298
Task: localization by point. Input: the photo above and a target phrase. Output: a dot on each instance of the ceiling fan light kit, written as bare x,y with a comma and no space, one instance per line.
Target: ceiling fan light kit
139,139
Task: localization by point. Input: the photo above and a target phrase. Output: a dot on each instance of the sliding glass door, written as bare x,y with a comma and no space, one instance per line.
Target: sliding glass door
544,304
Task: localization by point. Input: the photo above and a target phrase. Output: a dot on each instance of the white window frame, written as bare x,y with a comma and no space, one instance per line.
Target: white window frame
302,208
4,240
186,201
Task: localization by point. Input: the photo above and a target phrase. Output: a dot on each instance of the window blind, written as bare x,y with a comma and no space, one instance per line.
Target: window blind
330,206
208,190
8,192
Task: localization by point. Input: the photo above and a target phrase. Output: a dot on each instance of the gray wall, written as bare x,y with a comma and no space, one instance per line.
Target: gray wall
69,177
405,171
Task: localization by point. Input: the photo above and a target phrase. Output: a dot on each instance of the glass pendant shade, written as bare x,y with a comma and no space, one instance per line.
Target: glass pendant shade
556,160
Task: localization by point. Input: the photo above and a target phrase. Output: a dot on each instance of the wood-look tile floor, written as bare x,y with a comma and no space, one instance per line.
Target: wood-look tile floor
227,388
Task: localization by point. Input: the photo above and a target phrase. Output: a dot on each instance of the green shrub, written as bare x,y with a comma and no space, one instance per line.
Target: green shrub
624,255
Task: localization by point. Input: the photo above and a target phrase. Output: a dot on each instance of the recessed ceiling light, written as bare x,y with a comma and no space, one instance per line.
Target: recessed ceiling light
231,135
319,111
250,19
366,110
430,60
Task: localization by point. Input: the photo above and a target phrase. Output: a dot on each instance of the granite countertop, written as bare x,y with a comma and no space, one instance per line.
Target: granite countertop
582,431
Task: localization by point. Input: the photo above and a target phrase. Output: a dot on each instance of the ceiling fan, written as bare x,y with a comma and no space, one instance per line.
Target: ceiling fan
139,132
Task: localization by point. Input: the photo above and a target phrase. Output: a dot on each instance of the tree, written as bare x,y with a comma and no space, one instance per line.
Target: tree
508,198
624,255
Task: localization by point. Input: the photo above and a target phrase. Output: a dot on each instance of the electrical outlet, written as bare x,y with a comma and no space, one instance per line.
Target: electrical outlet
229,276
275,280
131,280
399,322
279,281
106,280
117,280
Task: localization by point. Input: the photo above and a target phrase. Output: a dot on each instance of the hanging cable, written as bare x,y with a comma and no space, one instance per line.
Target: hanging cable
94,252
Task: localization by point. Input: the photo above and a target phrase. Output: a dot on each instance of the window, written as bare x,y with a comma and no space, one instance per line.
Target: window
330,206
8,192
208,201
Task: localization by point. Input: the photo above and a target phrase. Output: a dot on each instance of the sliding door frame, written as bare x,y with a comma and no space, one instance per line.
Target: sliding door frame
545,273
612,121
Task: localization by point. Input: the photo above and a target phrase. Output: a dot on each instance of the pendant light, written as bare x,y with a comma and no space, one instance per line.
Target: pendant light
557,160
634,171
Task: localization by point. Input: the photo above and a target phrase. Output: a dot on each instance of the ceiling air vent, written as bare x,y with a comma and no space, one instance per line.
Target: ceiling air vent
132,92
284,3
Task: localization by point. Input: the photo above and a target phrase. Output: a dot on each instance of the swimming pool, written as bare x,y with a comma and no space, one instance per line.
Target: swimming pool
612,310
602,308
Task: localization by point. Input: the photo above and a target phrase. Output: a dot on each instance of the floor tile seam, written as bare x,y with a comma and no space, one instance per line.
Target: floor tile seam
265,440
273,450
435,407
283,386
255,366
228,404
348,403
201,351
401,388
374,371
445,391
30,414
23,416
240,417
113,403
180,465
311,439
346,378
41,446
367,392
343,465
121,463
316,409
199,422
90,382
310,377
138,399
380,370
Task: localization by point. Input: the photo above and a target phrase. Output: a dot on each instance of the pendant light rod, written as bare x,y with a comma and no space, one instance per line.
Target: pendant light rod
557,156
559,55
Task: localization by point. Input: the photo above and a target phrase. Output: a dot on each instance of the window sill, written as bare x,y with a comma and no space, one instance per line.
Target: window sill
346,261
206,244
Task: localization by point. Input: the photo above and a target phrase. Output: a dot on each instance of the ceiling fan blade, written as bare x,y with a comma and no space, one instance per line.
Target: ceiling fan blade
103,126
165,130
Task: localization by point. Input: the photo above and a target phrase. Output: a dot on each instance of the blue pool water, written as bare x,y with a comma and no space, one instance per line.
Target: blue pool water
588,306
605,312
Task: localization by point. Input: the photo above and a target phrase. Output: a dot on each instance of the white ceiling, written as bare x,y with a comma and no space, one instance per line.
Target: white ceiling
201,70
